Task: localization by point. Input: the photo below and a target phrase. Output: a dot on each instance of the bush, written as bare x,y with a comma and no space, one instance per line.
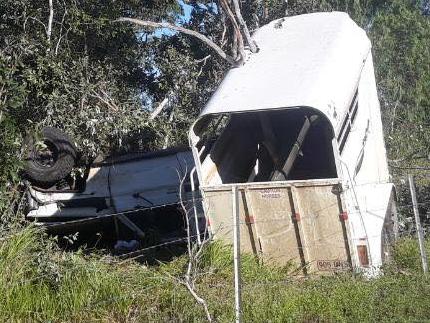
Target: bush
406,254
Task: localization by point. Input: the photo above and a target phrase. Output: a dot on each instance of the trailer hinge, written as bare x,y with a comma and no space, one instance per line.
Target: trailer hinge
337,189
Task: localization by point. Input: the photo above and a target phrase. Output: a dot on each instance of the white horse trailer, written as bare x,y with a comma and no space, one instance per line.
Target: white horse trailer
297,129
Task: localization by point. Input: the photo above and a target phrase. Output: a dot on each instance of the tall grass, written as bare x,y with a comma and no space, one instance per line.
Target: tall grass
39,282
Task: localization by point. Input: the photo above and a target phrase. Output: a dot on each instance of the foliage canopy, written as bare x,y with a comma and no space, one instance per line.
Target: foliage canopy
99,80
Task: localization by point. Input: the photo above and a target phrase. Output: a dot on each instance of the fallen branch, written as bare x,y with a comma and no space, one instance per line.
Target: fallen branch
199,300
183,30
194,252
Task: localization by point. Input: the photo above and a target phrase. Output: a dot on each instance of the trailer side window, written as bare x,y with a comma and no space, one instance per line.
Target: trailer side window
347,123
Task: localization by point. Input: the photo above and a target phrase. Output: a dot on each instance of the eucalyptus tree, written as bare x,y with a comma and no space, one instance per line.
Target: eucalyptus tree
100,71
64,64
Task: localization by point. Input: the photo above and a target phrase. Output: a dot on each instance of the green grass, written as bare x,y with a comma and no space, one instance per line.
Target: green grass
39,282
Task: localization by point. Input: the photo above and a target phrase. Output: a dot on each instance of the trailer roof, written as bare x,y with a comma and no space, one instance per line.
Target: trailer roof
312,60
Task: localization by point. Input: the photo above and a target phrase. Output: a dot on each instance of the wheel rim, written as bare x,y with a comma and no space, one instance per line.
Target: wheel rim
47,156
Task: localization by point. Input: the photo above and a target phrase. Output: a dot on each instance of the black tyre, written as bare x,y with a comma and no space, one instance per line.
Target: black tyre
54,161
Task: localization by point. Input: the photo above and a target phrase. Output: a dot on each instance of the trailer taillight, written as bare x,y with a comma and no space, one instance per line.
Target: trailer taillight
363,256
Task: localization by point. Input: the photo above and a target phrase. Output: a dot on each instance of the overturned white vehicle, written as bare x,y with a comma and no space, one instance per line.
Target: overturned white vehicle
117,186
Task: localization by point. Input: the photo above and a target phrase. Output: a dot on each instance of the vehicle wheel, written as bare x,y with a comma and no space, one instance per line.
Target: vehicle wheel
53,161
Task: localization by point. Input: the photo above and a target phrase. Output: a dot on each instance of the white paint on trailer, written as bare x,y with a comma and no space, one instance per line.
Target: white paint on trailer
364,169
319,61
312,60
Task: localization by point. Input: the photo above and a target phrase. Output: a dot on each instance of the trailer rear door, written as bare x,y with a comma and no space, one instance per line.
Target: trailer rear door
301,223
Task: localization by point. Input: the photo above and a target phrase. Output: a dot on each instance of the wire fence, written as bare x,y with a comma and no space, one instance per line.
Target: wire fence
334,240
132,255
191,202
321,241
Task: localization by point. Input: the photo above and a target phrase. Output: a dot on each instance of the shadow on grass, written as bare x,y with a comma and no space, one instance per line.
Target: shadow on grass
164,240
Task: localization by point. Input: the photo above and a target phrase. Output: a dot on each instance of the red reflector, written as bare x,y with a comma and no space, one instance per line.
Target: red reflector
297,216
344,216
249,219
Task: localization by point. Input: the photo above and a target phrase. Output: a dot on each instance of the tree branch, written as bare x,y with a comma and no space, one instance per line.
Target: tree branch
204,60
237,33
167,138
51,18
35,19
183,30
160,107
252,45
61,30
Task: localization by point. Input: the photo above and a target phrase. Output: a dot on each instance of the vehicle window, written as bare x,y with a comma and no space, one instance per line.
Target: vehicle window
347,123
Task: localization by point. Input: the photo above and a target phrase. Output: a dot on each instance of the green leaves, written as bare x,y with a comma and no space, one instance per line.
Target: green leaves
12,95
401,39
99,80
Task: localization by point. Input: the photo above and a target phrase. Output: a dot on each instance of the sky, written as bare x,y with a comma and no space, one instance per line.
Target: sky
187,10
184,18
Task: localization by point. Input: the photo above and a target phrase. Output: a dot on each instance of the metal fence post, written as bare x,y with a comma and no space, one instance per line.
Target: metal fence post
418,224
236,251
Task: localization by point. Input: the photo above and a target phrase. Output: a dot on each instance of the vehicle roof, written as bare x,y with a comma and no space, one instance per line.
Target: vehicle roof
312,60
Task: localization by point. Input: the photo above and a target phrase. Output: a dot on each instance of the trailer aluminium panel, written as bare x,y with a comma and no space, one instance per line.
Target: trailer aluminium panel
298,130
290,222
